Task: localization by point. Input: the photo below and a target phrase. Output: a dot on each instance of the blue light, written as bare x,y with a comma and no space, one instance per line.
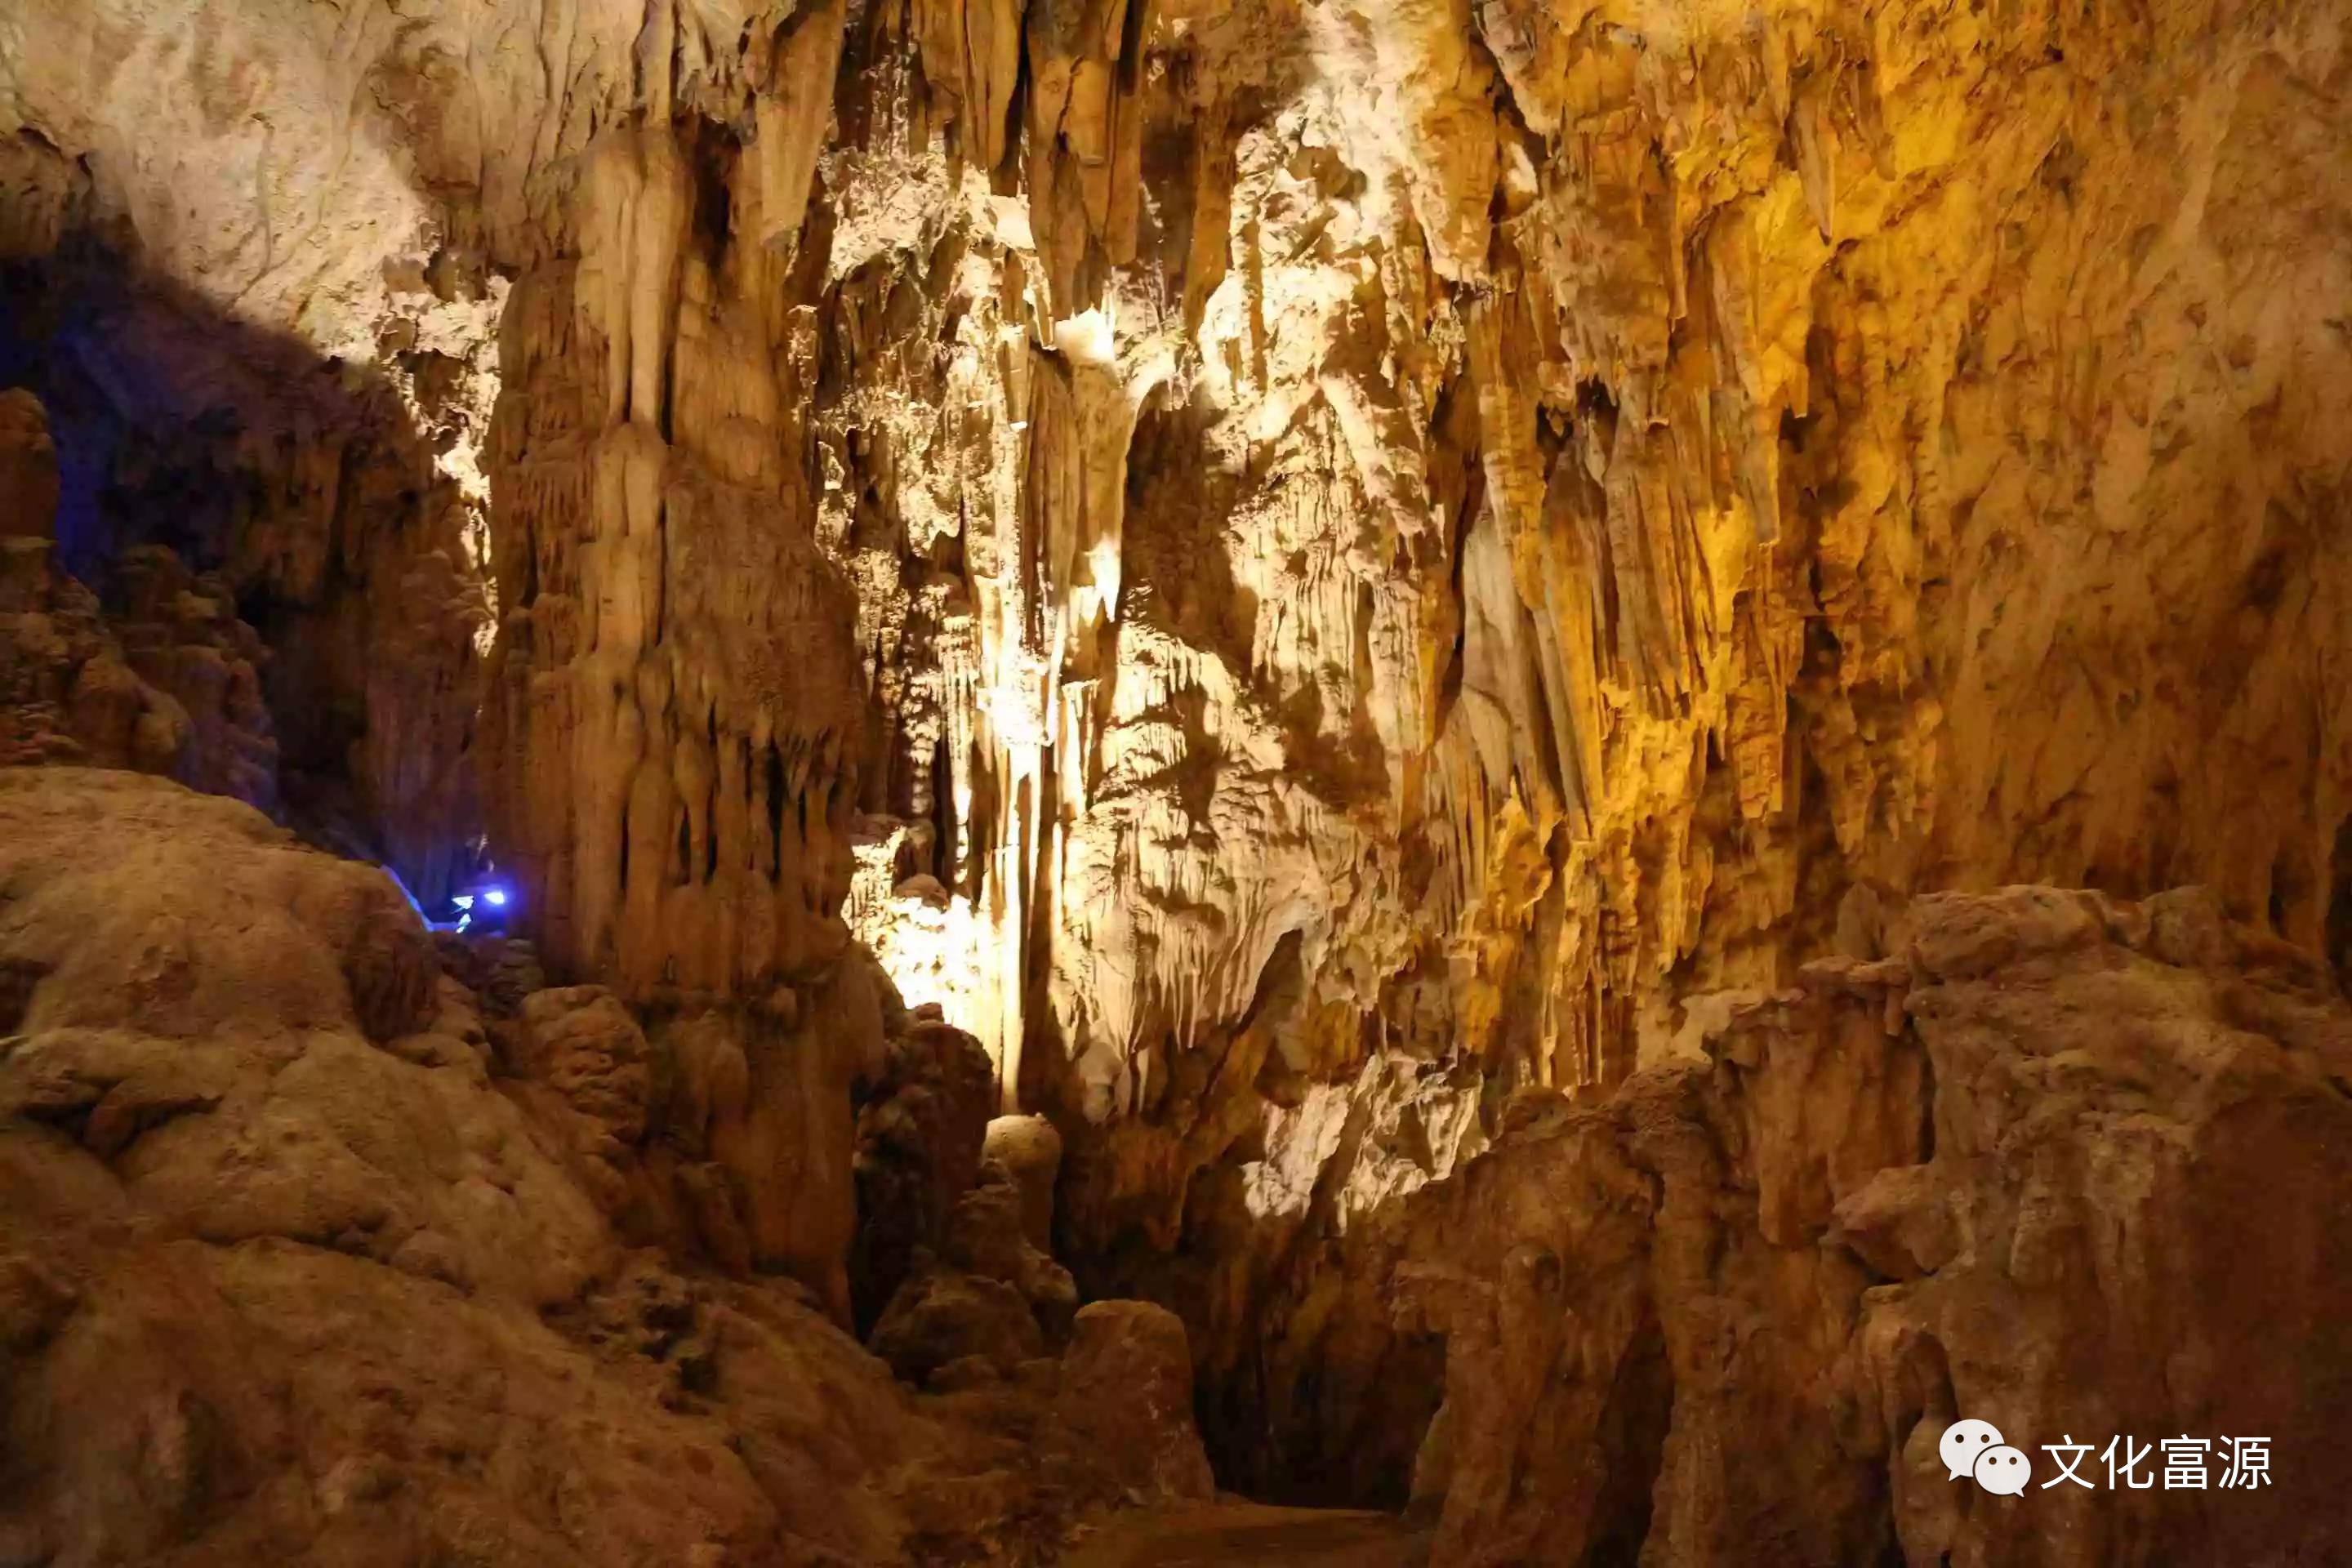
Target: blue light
496,897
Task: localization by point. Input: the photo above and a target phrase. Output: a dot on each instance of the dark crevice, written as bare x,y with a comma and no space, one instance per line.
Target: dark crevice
943,816
1926,1106
710,835
2337,934
1632,1432
775,804
624,849
19,978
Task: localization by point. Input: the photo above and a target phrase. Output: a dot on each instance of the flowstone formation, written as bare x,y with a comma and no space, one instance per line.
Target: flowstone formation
1296,572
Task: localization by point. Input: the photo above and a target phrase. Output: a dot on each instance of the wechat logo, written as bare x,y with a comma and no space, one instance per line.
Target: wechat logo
1976,1448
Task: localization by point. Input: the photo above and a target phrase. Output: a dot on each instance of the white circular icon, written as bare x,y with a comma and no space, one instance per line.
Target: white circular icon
1963,1442
2003,1469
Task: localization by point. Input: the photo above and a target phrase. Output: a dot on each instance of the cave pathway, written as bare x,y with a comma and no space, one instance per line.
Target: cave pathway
1236,1534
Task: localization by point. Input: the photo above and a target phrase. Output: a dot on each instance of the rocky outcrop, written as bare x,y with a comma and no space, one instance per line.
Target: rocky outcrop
920,1138
169,684
69,695
182,635
733,1134
979,1297
295,1265
166,680
1126,1400
2059,1162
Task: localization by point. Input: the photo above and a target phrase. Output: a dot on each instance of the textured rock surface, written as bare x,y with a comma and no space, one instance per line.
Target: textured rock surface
167,682
285,1273
1296,569
2066,1165
920,1138
1127,1399
69,694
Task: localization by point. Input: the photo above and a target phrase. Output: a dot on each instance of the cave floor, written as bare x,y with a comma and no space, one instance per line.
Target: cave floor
1229,1533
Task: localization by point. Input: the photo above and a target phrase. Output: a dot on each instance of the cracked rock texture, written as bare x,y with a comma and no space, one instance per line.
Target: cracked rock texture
1296,570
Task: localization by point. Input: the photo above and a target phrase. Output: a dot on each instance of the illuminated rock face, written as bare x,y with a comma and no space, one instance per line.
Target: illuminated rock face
1296,569
675,715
